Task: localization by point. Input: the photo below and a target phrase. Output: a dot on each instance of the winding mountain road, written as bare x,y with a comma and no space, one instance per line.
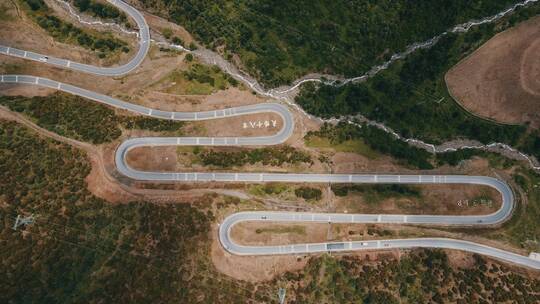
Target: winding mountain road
497,217
144,46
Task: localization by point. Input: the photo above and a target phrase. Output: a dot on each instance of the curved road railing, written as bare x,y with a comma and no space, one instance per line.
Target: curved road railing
497,217
144,45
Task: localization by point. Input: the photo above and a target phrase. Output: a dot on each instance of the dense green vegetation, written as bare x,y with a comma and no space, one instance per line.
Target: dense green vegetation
531,145
385,143
274,156
82,249
82,119
411,96
308,193
356,145
101,10
377,140
278,41
198,79
285,191
522,229
64,31
374,194
211,75
383,190
424,276
268,189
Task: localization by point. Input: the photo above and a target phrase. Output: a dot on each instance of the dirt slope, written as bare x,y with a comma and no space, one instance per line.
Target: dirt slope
501,79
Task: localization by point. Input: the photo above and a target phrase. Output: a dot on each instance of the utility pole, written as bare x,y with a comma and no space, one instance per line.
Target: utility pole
281,295
23,221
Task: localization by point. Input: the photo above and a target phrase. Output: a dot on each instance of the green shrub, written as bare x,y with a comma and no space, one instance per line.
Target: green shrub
82,119
308,193
274,156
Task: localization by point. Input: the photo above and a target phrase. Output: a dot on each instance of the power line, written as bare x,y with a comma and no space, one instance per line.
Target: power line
157,262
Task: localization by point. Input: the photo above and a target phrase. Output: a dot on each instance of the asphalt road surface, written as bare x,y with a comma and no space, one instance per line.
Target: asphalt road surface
144,45
288,126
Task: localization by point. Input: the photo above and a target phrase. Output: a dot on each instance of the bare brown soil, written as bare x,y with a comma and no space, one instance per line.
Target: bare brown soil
252,268
231,97
183,159
158,24
501,79
435,199
346,162
264,268
105,182
20,31
243,126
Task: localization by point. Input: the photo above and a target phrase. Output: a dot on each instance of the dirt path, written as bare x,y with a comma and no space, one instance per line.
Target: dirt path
99,181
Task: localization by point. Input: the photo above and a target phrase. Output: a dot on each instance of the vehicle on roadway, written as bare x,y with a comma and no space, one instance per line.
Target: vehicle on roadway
144,38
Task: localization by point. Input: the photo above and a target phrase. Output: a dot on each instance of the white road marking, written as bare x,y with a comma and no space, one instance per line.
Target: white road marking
124,69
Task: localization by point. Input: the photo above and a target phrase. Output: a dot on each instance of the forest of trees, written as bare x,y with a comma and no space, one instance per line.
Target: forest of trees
64,31
82,249
423,276
271,156
101,10
81,119
308,193
279,41
404,153
383,191
377,140
411,96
